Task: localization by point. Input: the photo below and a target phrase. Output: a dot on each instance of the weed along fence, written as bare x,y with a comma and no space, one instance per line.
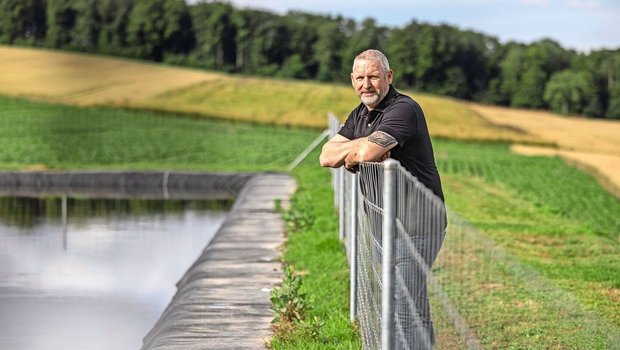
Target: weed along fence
393,228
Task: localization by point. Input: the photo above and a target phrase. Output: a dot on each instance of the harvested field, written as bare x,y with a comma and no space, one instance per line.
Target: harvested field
568,133
81,79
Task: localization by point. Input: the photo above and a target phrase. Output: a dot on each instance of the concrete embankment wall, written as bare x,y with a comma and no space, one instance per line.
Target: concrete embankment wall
160,185
223,300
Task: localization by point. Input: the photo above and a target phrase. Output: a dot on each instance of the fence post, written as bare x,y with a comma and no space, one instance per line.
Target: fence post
353,249
388,235
341,203
64,223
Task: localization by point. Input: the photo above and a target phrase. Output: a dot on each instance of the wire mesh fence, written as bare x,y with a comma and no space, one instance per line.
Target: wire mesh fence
479,294
393,228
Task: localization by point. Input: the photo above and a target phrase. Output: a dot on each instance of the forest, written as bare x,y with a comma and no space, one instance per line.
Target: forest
434,58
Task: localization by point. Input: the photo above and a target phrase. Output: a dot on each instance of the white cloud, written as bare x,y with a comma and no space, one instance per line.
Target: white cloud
541,3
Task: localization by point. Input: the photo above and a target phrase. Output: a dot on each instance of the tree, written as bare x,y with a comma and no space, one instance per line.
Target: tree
327,50
269,46
511,68
531,89
455,83
300,62
548,55
160,26
261,42
402,49
61,20
179,35
88,24
22,19
569,91
613,111
114,21
215,35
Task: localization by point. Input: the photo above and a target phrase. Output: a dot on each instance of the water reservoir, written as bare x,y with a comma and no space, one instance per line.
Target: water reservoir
83,273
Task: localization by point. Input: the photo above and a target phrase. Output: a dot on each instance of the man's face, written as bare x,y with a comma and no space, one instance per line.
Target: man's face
370,83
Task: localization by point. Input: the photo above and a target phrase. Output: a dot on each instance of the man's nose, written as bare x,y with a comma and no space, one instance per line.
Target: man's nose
367,82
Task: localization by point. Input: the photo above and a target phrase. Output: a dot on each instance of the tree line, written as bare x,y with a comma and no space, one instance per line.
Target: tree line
440,59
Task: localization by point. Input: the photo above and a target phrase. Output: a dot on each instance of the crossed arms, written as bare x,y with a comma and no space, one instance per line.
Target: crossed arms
341,151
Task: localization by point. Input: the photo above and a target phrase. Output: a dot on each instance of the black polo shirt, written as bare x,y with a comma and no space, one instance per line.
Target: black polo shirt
402,118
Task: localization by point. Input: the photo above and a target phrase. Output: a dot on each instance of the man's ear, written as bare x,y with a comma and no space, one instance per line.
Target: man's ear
390,76
352,81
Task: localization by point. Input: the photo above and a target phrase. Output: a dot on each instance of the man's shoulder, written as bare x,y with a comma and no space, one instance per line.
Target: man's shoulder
402,98
405,104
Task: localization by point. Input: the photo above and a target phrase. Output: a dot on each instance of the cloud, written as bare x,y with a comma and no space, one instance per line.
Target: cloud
584,4
541,3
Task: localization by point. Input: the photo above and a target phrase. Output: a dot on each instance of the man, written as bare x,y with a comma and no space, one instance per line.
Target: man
387,124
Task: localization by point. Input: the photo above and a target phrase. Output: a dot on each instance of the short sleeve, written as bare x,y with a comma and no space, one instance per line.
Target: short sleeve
401,121
348,129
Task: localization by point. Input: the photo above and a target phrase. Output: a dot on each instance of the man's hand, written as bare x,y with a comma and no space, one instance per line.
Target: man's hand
341,151
352,167
336,150
385,156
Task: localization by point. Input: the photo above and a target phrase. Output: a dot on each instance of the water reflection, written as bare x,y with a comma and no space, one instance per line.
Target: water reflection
104,283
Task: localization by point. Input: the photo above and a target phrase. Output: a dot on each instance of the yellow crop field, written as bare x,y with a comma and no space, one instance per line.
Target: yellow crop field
87,80
81,79
570,133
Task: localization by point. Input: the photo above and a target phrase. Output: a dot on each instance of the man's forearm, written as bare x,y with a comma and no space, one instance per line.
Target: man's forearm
338,152
376,148
333,154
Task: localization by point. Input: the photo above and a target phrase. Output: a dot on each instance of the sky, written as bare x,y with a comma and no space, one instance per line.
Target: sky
582,25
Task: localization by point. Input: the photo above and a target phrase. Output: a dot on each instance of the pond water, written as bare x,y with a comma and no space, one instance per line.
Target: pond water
99,278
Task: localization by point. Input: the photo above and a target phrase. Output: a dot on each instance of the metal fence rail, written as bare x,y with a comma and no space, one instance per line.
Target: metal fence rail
393,228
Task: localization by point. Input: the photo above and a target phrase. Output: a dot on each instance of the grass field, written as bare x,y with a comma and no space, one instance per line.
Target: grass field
45,136
567,230
531,273
551,279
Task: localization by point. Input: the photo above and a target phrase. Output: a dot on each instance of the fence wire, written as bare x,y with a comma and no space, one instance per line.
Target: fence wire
420,228
474,280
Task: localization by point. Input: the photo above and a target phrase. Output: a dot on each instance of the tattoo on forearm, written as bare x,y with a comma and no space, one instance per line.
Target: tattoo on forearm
381,138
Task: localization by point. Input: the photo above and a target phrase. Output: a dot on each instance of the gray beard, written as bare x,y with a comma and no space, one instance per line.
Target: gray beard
374,100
